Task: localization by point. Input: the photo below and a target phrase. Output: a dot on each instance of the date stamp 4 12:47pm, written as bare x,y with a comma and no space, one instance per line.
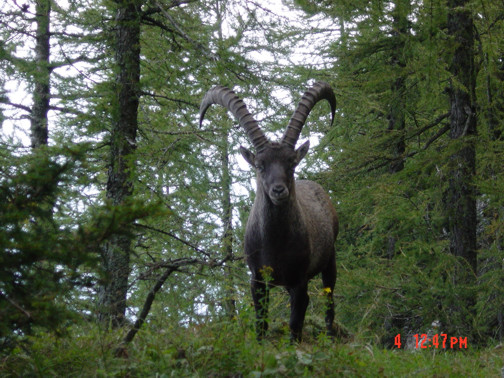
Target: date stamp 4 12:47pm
437,341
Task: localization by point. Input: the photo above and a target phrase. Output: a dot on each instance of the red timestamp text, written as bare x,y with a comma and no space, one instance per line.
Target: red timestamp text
437,341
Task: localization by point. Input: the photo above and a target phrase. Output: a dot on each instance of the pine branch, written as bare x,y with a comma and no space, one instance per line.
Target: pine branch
174,133
384,163
387,161
174,4
185,242
193,105
5,100
65,110
152,22
71,62
434,123
438,135
184,35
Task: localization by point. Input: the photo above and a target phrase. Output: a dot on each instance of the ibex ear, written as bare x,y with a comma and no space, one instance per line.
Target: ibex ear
301,151
248,156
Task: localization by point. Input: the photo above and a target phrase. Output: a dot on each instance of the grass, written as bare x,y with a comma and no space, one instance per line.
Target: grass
229,349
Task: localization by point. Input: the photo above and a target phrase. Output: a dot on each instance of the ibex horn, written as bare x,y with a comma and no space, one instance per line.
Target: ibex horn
226,97
319,91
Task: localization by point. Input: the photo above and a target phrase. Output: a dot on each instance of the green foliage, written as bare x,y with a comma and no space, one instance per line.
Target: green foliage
388,63
388,169
45,254
229,348
39,257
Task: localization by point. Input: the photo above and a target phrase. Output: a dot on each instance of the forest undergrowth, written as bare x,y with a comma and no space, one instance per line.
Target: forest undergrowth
228,348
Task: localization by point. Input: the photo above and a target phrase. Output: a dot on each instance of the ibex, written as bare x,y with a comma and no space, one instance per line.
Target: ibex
292,226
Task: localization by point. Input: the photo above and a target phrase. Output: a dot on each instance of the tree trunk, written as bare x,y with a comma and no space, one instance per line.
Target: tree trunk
495,108
461,196
41,93
227,236
396,113
116,253
229,303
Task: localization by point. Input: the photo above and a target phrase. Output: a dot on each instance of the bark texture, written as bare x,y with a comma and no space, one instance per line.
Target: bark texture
41,93
116,253
461,196
396,115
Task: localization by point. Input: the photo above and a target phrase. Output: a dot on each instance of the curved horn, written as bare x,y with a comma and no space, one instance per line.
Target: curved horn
226,97
319,91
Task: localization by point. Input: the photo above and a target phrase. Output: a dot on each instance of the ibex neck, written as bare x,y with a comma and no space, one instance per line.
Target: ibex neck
278,219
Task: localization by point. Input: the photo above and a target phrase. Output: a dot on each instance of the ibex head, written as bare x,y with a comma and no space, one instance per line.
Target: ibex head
274,162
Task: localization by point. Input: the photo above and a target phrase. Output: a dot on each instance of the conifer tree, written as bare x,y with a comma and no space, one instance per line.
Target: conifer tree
116,253
461,195
460,202
48,226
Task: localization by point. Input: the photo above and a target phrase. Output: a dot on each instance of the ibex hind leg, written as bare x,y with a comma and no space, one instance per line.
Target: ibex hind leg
328,282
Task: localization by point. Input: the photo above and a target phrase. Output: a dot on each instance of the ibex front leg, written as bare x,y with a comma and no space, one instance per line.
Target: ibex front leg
260,295
299,302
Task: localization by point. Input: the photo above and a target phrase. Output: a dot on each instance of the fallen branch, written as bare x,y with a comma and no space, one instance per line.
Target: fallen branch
16,305
148,304
171,266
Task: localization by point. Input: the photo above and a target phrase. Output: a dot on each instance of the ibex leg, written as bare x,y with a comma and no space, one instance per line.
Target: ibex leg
260,295
299,302
329,281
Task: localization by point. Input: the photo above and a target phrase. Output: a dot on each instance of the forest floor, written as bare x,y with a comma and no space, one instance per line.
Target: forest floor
229,349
